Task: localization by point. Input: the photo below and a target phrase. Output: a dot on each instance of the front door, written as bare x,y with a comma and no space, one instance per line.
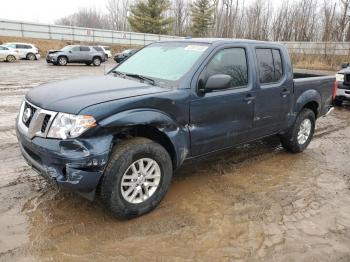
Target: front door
222,118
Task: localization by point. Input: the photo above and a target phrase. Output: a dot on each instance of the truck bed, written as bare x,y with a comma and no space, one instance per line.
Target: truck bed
322,84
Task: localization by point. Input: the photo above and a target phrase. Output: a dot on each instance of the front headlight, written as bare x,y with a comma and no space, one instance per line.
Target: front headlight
339,77
70,126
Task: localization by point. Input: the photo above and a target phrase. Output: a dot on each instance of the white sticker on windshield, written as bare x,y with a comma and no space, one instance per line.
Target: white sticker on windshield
198,48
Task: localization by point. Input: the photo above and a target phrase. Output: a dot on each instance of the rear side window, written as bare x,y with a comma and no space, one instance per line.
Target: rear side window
84,48
269,65
230,61
97,48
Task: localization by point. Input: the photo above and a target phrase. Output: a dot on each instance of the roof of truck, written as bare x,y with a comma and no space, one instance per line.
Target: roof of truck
223,40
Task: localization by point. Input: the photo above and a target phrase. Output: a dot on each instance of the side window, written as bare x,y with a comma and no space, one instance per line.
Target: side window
85,48
269,65
27,47
230,61
75,49
266,67
19,46
278,64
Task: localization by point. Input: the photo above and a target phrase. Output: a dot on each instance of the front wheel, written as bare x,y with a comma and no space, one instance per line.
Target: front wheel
62,61
300,134
338,102
136,178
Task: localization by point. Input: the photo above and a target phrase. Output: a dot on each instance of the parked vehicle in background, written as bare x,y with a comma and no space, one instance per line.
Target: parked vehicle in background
123,134
107,50
343,85
120,57
8,54
75,54
100,50
25,50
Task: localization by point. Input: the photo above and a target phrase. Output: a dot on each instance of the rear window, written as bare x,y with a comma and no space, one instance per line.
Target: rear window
269,65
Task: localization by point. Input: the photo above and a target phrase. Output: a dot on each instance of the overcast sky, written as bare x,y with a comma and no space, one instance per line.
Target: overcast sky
47,11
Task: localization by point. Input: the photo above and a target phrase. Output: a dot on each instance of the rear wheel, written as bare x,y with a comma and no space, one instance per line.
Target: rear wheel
30,56
300,134
96,61
136,178
10,58
62,60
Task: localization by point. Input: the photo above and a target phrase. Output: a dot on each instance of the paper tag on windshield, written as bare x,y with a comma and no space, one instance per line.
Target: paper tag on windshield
198,48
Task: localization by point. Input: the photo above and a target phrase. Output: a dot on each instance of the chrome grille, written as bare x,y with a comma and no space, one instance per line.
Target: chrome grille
39,121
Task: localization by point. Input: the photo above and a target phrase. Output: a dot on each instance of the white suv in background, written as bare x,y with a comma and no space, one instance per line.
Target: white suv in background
25,50
107,50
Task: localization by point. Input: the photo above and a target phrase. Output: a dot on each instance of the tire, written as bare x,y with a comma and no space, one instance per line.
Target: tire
96,61
338,102
296,140
116,198
62,60
31,57
106,57
10,58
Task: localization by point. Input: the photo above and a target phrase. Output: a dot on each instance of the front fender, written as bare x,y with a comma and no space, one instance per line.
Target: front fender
178,135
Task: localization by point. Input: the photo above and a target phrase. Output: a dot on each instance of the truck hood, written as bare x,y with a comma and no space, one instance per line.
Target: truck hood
71,96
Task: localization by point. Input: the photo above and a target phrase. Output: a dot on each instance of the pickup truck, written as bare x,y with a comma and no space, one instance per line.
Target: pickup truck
343,90
121,136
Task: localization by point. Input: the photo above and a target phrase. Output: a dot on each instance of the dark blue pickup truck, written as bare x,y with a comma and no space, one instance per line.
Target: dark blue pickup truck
121,136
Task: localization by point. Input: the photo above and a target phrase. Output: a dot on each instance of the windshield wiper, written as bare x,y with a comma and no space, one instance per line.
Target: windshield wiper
141,77
144,78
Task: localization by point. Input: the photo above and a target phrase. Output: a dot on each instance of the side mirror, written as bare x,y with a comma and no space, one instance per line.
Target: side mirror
70,51
344,65
217,82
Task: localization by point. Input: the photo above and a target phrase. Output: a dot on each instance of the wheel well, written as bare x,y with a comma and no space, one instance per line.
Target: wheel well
63,56
313,106
154,134
96,56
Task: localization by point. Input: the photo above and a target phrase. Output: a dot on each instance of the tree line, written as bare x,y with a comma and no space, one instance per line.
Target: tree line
291,20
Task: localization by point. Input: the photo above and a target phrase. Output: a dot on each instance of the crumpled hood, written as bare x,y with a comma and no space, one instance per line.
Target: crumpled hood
71,96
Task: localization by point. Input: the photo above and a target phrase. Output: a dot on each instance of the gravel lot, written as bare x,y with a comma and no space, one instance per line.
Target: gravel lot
254,203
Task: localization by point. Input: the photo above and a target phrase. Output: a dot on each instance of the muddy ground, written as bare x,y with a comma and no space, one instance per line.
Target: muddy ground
253,203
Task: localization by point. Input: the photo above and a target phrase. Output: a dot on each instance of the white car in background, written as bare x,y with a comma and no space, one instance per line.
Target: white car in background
25,50
8,54
107,50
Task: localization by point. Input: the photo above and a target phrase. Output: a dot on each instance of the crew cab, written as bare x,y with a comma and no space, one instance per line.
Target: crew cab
122,135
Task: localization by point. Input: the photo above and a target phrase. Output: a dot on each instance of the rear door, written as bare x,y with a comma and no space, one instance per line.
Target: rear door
22,50
85,54
273,98
222,118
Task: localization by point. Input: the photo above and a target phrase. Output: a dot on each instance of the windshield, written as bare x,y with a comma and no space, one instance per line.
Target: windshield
168,61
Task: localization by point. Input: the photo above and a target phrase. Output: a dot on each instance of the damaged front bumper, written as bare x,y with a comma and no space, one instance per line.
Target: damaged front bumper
75,164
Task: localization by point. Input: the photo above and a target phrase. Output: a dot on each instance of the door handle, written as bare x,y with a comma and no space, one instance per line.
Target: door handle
249,98
285,92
